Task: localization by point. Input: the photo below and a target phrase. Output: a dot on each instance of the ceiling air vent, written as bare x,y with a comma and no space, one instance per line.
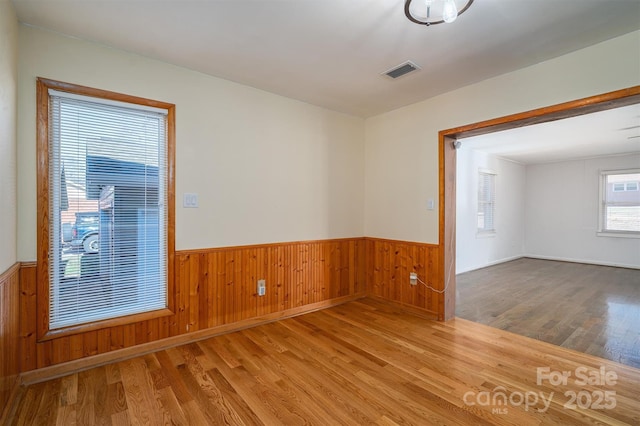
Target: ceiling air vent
402,69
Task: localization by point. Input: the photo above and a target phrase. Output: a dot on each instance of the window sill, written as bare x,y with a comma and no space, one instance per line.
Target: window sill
621,234
98,325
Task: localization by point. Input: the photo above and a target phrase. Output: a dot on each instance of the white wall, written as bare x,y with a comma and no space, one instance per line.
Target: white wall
562,213
401,152
8,106
547,211
476,251
266,168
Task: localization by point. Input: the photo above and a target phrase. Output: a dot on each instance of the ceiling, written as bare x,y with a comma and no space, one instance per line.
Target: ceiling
331,52
609,132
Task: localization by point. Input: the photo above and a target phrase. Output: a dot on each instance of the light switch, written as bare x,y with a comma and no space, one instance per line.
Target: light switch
190,201
431,204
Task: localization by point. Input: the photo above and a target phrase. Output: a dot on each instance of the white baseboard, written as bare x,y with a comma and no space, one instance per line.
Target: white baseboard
554,258
586,261
493,263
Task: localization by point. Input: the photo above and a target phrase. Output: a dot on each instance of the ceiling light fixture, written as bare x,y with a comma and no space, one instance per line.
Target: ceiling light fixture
432,12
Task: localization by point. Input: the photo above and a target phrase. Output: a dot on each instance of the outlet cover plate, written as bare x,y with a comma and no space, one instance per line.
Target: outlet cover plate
262,287
413,278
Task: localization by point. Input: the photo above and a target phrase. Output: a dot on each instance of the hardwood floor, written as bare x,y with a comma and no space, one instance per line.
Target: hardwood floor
590,308
364,362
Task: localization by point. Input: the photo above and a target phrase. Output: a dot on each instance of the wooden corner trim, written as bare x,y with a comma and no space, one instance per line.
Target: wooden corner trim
387,240
9,272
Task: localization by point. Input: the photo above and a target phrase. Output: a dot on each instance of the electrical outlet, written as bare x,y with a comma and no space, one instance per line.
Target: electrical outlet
413,278
262,287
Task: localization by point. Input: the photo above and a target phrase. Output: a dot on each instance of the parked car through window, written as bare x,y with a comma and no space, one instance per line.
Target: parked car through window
86,232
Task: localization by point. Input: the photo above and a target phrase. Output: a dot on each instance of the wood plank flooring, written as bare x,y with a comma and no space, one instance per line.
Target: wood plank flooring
590,308
364,362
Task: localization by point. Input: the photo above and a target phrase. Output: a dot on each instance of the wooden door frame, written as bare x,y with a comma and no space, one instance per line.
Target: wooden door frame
447,171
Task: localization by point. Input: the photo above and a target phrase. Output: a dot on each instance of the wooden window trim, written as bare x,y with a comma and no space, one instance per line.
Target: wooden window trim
42,176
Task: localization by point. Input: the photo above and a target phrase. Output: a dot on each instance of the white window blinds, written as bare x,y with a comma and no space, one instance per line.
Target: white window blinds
486,201
107,209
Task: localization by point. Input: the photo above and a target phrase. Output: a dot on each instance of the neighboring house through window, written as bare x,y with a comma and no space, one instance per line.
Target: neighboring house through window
104,210
624,186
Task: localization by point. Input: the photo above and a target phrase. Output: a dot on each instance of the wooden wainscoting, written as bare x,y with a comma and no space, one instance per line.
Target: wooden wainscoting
215,288
9,334
389,263
28,316
296,275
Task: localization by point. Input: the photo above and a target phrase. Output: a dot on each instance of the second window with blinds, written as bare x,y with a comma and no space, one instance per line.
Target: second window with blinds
107,207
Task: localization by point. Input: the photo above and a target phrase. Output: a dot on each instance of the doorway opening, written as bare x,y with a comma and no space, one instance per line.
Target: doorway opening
447,161
449,143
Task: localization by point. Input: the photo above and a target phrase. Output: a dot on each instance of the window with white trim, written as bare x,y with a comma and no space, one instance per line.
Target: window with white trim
486,201
107,204
620,201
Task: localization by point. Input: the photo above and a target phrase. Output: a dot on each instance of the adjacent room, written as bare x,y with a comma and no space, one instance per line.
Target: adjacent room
544,232
273,213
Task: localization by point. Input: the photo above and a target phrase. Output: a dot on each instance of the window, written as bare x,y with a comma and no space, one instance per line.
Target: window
486,201
106,209
620,201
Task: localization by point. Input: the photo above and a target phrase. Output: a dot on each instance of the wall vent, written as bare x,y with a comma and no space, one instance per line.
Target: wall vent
402,69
